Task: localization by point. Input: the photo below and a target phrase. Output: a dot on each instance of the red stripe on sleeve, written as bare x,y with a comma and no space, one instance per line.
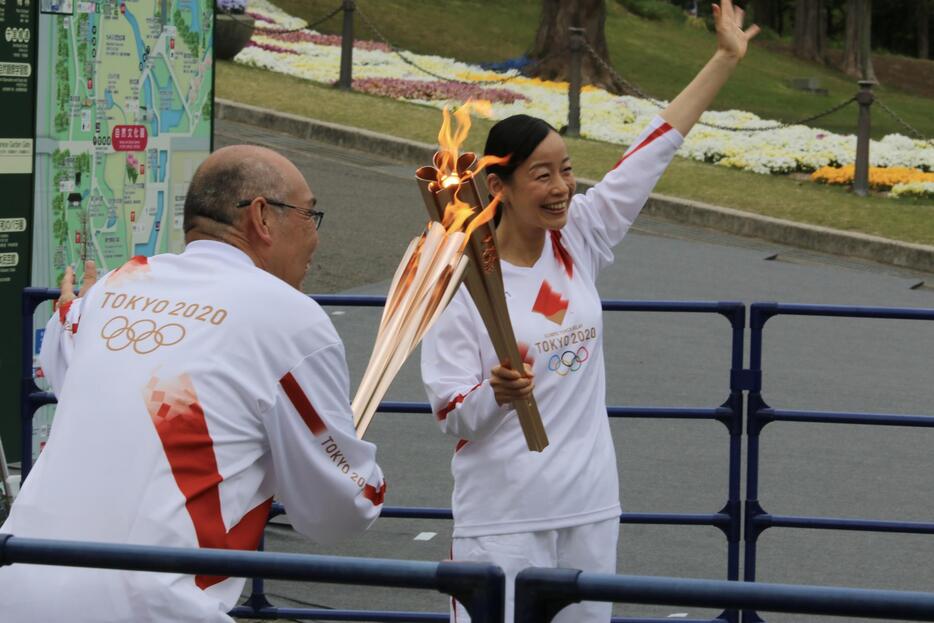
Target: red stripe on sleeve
659,131
63,310
443,413
460,444
301,403
374,495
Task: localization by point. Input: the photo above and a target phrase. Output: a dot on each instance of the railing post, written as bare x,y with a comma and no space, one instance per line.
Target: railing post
257,600
345,81
861,177
541,593
27,386
574,88
481,589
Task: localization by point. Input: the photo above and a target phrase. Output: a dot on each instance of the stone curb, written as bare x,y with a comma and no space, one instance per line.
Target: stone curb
812,237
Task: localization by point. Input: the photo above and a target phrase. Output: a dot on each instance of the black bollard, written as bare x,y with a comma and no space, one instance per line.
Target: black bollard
345,81
861,176
574,88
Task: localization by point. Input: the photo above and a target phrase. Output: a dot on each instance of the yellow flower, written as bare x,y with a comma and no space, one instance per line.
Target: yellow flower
880,178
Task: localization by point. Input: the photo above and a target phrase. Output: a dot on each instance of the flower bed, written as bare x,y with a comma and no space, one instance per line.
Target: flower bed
902,181
604,116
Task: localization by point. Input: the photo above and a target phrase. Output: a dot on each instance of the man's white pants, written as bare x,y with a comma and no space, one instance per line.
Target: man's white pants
590,547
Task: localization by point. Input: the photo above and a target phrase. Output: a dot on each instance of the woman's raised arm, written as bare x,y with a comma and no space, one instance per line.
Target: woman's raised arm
732,42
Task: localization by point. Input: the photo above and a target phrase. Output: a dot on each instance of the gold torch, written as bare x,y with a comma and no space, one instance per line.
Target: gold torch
451,183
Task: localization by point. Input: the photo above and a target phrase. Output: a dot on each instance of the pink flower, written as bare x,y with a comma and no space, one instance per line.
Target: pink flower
319,39
270,48
434,90
260,18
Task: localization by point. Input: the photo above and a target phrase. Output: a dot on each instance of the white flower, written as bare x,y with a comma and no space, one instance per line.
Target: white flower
913,189
605,117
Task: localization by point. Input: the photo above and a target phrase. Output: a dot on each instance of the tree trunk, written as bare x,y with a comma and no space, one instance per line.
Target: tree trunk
924,28
766,13
857,55
810,30
550,54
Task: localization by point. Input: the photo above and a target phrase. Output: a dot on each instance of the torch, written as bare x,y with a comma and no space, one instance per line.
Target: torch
457,244
425,281
449,190
452,181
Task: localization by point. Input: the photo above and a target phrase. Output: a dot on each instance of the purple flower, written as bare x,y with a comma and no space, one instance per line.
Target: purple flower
319,39
270,48
434,90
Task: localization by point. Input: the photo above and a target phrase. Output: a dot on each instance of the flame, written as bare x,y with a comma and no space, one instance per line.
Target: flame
483,108
450,140
454,130
483,218
456,214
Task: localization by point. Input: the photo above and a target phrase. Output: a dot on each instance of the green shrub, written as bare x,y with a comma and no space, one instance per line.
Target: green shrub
656,10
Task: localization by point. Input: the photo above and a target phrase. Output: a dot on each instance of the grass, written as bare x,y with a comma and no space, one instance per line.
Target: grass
909,220
660,57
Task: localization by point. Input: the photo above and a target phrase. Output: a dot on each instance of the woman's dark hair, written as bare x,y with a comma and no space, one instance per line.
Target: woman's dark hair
516,136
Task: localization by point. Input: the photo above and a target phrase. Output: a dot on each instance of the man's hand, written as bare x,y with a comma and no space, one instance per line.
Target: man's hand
511,385
68,282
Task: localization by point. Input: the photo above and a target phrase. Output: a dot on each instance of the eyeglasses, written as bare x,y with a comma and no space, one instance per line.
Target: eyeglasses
315,215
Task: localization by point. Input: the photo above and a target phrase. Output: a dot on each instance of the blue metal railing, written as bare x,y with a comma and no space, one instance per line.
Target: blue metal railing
542,593
729,413
480,587
759,414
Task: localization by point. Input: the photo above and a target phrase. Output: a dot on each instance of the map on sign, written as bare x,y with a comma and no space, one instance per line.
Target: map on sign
123,120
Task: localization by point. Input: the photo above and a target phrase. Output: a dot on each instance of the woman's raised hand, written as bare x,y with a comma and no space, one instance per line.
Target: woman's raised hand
731,38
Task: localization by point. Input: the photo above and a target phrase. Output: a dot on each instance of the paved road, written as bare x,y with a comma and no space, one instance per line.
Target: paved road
373,210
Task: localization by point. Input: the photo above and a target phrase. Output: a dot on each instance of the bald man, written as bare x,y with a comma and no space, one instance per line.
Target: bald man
192,389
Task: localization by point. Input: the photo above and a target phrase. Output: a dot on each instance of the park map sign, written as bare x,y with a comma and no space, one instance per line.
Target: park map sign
123,120
123,98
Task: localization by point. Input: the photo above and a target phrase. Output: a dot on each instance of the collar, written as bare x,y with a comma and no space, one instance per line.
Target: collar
218,249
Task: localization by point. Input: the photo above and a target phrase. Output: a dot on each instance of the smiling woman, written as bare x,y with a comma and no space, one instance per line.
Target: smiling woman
558,507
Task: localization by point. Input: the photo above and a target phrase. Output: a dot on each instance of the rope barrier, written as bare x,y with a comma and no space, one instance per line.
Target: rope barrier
411,63
911,130
776,126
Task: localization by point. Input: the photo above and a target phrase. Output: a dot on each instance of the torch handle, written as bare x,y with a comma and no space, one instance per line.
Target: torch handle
483,287
529,418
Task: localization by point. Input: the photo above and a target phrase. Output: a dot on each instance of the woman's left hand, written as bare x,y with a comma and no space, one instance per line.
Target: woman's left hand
731,38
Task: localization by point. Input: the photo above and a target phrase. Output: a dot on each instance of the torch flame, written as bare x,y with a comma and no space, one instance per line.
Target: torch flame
455,215
450,140
484,217
451,137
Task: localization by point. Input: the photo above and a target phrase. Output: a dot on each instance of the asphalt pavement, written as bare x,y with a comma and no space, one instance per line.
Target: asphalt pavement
374,209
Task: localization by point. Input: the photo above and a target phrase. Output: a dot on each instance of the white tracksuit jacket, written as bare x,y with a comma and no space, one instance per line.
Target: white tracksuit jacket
500,486
192,389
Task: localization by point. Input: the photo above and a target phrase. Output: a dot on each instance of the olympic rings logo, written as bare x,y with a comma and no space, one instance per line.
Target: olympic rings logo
568,361
144,335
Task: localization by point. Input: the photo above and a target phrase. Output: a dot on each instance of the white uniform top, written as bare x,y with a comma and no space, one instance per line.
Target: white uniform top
499,485
192,388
